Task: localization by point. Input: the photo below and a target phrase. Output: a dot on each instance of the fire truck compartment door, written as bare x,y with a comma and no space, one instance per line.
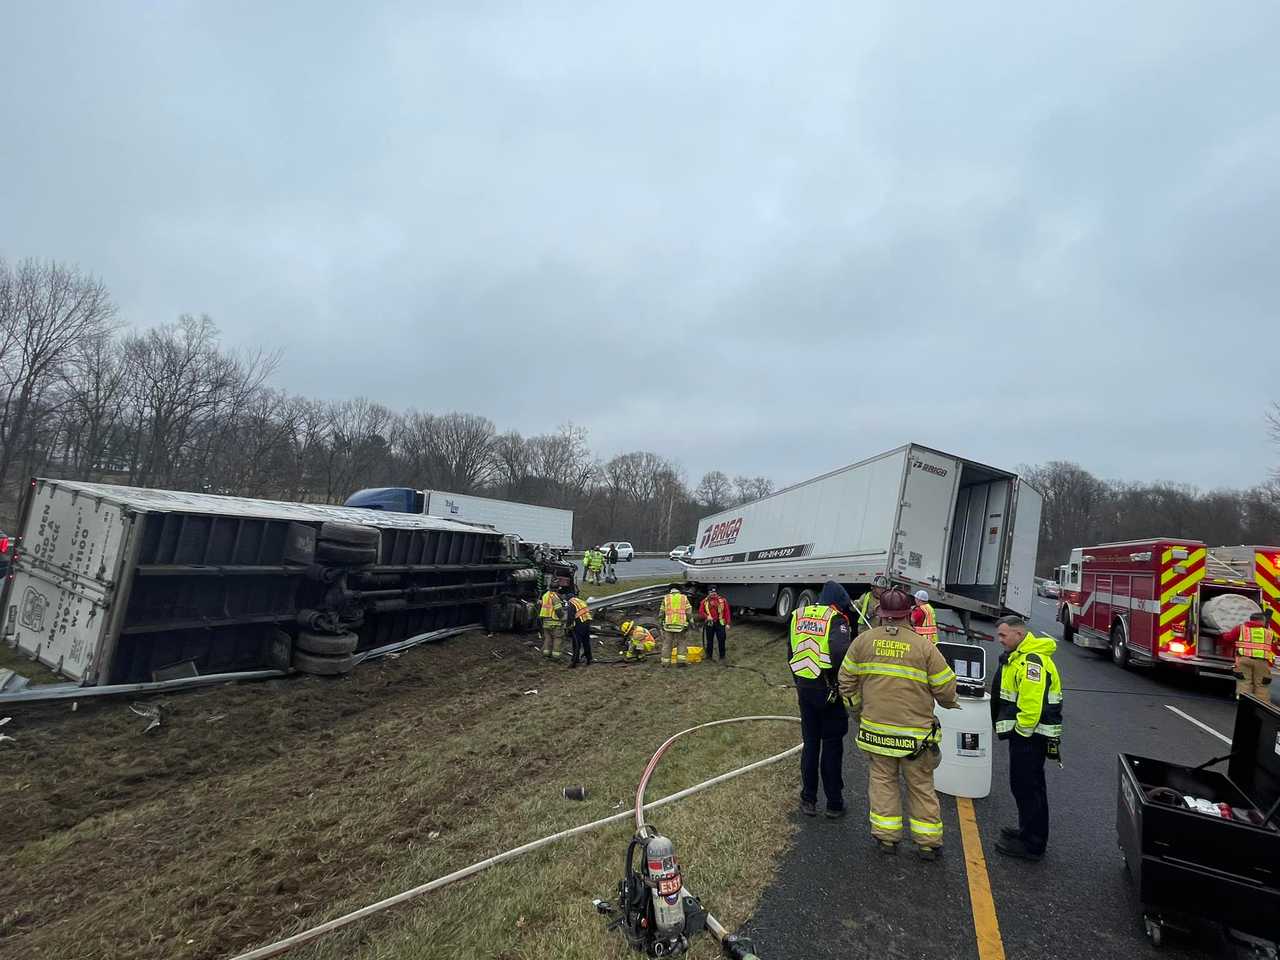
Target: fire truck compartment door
1020,587
928,499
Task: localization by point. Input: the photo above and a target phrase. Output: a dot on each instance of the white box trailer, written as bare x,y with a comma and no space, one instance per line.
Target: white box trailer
964,531
530,522
117,584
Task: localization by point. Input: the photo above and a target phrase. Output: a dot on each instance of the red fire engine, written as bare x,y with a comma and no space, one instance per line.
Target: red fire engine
1140,600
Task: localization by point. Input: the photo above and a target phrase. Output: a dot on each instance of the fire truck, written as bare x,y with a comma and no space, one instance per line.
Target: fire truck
1140,600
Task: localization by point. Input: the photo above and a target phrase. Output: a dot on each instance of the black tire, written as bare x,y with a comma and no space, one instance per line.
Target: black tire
1119,651
786,603
345,555
351,534
806,598
321,666
326,644
1068,631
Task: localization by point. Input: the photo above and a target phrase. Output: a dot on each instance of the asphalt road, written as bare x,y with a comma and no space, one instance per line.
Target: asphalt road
837,896
643,567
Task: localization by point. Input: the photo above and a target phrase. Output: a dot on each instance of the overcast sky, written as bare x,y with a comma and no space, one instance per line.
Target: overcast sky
766,238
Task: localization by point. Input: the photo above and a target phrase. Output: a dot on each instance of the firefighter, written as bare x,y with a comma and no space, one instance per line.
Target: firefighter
1026,708
550,613
639,640
715,614
1255,648
820,635
580,629
924,620
676,613
867,606
891,679
597,566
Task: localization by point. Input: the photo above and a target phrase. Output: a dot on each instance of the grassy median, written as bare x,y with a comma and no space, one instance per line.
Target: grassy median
260,809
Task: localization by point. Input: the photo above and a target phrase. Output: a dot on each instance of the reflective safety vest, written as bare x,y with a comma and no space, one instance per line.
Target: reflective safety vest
676,611
640,639
866,605
550,602
811,640
581,611
928,629
1255,642
1030,691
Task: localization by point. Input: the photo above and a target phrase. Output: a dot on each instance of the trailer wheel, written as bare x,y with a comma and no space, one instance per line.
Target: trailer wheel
342,554
327,645
1154,933
806,599
352,534
321,666
786,602
1119,650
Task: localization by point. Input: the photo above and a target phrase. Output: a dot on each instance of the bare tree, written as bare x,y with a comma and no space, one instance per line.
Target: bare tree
48,311
752,488
715,491
513,465
93,418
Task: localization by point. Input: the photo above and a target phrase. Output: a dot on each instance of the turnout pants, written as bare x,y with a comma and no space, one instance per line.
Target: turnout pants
1026,781
712,632
1253,676
581,641
680,640
924,814
552,638
823,727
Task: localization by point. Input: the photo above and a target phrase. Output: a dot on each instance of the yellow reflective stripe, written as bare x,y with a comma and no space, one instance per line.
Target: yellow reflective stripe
885,823
893,728
926,828
942,676
890,670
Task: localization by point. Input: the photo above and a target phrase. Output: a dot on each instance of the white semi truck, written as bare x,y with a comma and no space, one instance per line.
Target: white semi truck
528,521
964,531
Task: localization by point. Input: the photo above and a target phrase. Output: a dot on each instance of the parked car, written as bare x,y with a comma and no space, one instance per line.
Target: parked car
625,550
682,551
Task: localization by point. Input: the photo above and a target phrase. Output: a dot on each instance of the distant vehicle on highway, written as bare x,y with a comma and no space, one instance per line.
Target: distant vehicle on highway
679,553
1046,588
625,550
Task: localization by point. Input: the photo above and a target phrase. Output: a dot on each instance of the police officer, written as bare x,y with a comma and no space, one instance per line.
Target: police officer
677,611
550,613
891,678
580,629
1255,656
820,635
924,620
1026,708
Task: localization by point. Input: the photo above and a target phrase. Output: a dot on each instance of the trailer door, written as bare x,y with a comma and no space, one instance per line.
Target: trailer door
928,499
1020,591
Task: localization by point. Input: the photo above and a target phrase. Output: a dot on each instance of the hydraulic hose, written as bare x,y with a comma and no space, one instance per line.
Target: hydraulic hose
313,933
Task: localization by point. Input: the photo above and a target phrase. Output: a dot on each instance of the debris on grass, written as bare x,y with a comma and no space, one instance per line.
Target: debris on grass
148,711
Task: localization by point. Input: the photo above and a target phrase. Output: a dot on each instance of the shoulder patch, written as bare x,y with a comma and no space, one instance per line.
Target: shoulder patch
1035,672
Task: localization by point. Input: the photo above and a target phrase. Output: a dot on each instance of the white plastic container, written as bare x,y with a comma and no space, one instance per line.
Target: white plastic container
967,744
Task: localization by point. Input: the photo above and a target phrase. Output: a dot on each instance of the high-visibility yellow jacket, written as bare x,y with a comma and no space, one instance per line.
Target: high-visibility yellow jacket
1256,642
676,611
1029,691
811,640
549,612
892,677
581,612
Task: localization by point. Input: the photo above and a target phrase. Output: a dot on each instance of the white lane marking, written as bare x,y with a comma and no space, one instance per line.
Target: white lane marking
1203,726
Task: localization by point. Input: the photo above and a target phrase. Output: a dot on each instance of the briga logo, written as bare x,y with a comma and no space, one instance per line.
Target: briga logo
928,468
721,534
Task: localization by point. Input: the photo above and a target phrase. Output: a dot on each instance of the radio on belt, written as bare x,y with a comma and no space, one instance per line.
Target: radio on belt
1204,845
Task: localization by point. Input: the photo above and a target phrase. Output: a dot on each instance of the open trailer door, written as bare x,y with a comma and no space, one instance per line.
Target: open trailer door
928,500
1019,591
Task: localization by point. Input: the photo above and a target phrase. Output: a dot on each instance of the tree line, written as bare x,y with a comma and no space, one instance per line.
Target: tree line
83,396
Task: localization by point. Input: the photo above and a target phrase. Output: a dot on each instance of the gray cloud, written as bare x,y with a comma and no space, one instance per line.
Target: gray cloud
762,240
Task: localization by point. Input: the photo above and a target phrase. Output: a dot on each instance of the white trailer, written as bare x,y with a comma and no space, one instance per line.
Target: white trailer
530,522
964,531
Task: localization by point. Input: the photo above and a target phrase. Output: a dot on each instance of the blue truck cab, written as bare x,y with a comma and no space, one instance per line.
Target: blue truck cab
391,499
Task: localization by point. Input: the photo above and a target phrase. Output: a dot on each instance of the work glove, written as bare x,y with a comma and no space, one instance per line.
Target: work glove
849,703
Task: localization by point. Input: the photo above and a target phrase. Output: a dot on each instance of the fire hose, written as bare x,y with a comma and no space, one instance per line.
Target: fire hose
313,933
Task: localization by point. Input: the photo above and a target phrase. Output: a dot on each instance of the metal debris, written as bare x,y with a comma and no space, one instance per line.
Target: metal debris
528,693
147,711
5,736
11,681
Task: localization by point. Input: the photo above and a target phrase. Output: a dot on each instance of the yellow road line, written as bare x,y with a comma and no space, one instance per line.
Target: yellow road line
985,924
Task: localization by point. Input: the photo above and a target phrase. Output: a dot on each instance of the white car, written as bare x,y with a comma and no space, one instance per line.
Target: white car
679,553
625,550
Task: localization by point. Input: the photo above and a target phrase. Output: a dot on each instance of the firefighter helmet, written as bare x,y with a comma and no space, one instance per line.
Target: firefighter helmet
894,605
626,626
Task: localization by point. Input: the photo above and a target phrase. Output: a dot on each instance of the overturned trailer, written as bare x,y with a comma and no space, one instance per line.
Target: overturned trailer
115,584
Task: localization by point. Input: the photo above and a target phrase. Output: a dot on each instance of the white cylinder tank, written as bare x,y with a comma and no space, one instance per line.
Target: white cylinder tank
967,744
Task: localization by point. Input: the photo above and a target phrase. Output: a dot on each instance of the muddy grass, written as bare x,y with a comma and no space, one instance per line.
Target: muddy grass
260,809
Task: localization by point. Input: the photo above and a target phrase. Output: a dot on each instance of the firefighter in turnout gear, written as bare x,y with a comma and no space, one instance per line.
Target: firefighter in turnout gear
1026,708
924,620
820,635
867,606
1255,649
677,611
550,613
891,678
580,629
639,640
